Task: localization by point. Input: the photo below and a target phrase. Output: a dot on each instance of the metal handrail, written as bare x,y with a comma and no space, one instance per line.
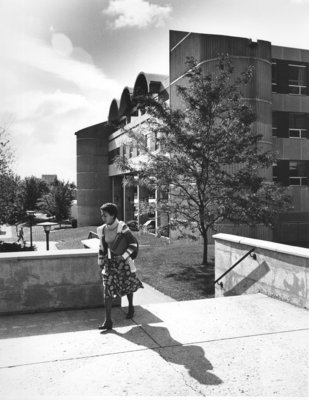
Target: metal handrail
234,265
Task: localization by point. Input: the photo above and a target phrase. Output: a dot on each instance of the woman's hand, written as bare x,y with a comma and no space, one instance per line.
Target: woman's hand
119,258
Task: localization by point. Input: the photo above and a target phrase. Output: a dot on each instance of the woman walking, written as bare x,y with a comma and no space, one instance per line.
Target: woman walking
118,249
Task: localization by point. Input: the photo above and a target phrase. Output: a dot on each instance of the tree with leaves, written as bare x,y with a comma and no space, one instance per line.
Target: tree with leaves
8,180
58,201
6,152
31,190
209,159
10,210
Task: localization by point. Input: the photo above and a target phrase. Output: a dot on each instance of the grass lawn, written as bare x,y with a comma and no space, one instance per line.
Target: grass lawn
174,268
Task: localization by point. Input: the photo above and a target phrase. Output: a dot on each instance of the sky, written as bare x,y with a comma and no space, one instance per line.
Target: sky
63,61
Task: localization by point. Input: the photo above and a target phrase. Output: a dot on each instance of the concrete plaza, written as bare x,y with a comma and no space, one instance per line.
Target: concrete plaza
250,345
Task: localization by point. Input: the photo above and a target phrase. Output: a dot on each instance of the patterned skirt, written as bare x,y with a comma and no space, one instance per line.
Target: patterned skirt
118,280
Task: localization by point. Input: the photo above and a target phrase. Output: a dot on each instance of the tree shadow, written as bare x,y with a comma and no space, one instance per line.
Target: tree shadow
198,275
250,280
192,357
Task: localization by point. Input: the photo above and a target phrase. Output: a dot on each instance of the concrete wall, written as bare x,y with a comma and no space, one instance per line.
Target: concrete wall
54,280
93,182
279,271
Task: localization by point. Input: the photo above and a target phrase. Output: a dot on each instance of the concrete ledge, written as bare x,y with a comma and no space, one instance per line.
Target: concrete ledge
52,253
264,244
53,280
93,243
278,270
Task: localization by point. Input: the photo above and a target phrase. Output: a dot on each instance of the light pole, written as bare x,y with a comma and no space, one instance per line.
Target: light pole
30,215
47,227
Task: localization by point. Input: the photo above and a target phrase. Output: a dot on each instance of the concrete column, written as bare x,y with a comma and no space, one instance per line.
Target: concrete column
93,183
118,195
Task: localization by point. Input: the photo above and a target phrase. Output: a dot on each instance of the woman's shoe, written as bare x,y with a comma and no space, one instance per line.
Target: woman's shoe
107,325
130,313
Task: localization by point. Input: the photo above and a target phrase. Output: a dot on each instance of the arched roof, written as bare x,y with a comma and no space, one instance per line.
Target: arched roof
125,101
113,114
147,83
140,85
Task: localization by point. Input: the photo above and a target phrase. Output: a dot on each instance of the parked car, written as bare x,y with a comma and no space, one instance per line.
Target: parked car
133,225
41,217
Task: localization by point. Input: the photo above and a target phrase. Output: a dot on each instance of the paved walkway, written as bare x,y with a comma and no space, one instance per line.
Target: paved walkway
6,233
237,346
41,246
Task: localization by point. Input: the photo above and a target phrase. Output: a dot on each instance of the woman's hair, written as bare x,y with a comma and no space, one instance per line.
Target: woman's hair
110,208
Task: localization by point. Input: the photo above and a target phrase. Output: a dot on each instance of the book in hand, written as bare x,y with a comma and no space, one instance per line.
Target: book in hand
119,245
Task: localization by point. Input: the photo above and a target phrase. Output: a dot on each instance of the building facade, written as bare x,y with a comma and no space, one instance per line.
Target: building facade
278,93
49,179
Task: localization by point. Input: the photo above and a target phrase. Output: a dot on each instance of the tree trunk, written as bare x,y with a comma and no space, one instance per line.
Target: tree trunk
205,249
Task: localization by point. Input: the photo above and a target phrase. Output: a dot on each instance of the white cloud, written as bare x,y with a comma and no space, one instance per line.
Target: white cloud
36,104
300,1
44,127
136,13
45,120
85,76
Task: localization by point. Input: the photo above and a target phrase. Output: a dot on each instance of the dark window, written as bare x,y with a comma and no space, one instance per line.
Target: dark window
280,124
298,173
113,154
297,79
275,123
281,172
297,125
275,172
134,112
274,76
152,194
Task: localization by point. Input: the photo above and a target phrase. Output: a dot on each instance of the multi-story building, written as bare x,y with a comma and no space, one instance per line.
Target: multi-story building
278,93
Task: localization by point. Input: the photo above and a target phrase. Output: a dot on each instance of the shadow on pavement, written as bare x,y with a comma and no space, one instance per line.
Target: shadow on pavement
53,322
22,325
192,357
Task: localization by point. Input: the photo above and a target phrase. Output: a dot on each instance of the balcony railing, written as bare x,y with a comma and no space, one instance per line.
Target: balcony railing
297,89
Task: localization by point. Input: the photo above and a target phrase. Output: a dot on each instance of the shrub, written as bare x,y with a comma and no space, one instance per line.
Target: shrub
13,247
